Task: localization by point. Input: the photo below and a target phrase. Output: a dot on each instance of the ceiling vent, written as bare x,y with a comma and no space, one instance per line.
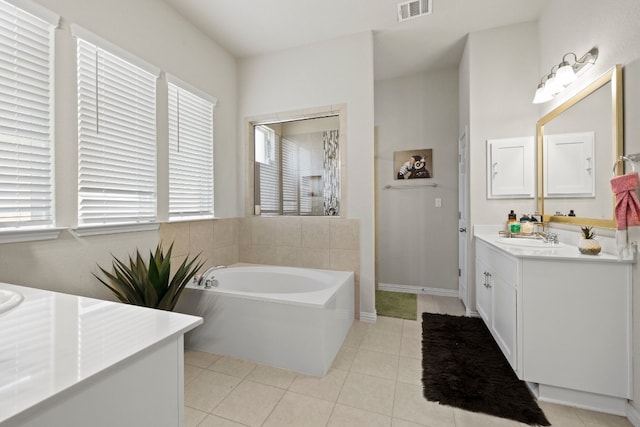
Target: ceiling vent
413,9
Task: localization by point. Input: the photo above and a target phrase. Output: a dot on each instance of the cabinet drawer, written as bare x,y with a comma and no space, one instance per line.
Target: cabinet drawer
501,264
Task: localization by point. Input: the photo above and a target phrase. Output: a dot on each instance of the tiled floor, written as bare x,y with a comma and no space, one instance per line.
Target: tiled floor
374,381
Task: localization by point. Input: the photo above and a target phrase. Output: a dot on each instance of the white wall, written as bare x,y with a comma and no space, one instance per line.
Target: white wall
329,73
153,31
503,70
420,241
577,26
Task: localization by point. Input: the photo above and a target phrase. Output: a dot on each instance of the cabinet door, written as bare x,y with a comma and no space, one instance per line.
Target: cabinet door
511,168
483,293
569,167
504,317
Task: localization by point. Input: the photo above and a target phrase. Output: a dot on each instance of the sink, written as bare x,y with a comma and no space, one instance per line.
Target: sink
9,299
528,243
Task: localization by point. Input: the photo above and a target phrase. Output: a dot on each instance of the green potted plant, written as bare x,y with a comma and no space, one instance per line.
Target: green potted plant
150,285
588,245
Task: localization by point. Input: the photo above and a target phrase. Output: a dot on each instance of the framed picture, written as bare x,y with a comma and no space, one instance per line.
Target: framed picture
413,164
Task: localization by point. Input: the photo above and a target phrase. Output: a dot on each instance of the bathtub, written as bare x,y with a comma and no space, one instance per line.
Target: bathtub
291,318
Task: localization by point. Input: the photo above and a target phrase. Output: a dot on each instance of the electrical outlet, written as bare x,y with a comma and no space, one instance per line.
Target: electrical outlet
438,202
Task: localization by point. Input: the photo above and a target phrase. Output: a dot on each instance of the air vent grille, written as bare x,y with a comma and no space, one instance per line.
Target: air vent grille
413,9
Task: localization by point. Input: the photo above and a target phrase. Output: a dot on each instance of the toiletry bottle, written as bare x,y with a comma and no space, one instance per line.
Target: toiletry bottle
571,213
526,224
512,216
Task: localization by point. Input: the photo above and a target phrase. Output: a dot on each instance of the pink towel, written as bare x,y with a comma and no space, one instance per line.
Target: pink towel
627,205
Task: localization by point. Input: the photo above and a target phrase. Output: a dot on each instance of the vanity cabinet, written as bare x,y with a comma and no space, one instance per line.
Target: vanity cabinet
496,298
561,319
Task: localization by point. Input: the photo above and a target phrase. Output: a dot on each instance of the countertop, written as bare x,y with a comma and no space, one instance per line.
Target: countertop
52,342
564,251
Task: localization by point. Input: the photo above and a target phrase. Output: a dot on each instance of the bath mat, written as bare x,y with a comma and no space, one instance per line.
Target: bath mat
396,304
463,367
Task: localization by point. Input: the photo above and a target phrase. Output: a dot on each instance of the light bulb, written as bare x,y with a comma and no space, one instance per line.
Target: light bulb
565,74
541,95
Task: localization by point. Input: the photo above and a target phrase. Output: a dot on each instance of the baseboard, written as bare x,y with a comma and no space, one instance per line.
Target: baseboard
410,289
368,317
633,415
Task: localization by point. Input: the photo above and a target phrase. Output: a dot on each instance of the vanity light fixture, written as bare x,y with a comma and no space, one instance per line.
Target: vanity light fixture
563,74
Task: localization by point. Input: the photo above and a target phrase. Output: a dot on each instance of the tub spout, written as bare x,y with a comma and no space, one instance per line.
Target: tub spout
202,279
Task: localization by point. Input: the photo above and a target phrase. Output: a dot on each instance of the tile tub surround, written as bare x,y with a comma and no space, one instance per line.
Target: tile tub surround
328,243
374,381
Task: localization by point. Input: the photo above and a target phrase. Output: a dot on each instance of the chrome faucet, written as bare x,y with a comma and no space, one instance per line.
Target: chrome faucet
208,282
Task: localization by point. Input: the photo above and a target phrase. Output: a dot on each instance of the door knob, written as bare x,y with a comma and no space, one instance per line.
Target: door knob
463,230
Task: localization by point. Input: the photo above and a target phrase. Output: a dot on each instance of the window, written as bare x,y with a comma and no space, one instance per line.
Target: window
116,135
190,151
267,173
26,82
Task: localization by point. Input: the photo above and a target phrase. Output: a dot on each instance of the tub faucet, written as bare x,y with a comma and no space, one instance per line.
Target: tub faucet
202,279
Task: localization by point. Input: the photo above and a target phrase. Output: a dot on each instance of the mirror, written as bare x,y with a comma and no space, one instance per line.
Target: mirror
297,167
578,143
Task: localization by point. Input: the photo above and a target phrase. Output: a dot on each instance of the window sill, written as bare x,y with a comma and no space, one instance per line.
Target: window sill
97,230
31,234
187,218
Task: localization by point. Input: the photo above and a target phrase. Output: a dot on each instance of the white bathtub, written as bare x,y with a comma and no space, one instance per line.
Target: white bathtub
291,318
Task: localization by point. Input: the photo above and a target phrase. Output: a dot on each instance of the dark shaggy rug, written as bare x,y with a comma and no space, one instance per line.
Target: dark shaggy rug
464,367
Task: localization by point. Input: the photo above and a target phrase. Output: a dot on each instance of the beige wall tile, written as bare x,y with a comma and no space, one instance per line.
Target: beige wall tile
225,232
289,256
263,232
316,233
345,260
263,255
244,232
345,234
289,232
226,256
178,233
200,236
315,258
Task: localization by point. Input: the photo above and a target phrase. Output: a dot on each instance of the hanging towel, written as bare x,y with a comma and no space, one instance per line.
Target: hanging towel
627,208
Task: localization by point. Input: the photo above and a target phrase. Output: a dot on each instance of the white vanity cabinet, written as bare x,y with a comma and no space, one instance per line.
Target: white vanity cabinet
563,320
496,297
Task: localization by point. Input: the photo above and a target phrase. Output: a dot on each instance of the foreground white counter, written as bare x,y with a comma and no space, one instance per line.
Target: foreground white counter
75,361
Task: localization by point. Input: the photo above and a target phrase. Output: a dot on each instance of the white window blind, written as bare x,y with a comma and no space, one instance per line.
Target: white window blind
290,185
267,169
190,152
26,81
116,138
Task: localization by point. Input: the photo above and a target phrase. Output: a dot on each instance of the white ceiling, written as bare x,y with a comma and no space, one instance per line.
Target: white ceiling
252,27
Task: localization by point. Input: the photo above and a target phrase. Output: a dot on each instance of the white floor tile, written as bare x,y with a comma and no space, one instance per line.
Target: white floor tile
368,393
296,410
326,388
345,416
206,391
377,364
250,403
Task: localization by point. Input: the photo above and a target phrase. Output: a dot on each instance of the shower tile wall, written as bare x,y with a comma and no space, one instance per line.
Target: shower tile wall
326,243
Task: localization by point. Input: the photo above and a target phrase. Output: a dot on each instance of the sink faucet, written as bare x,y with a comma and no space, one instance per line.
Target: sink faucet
549,237
208,282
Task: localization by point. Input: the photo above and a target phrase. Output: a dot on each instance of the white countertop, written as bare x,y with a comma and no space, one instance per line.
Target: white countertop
52,342
564,251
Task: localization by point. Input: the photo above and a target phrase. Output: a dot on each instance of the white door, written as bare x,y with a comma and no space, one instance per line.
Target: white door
463,168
